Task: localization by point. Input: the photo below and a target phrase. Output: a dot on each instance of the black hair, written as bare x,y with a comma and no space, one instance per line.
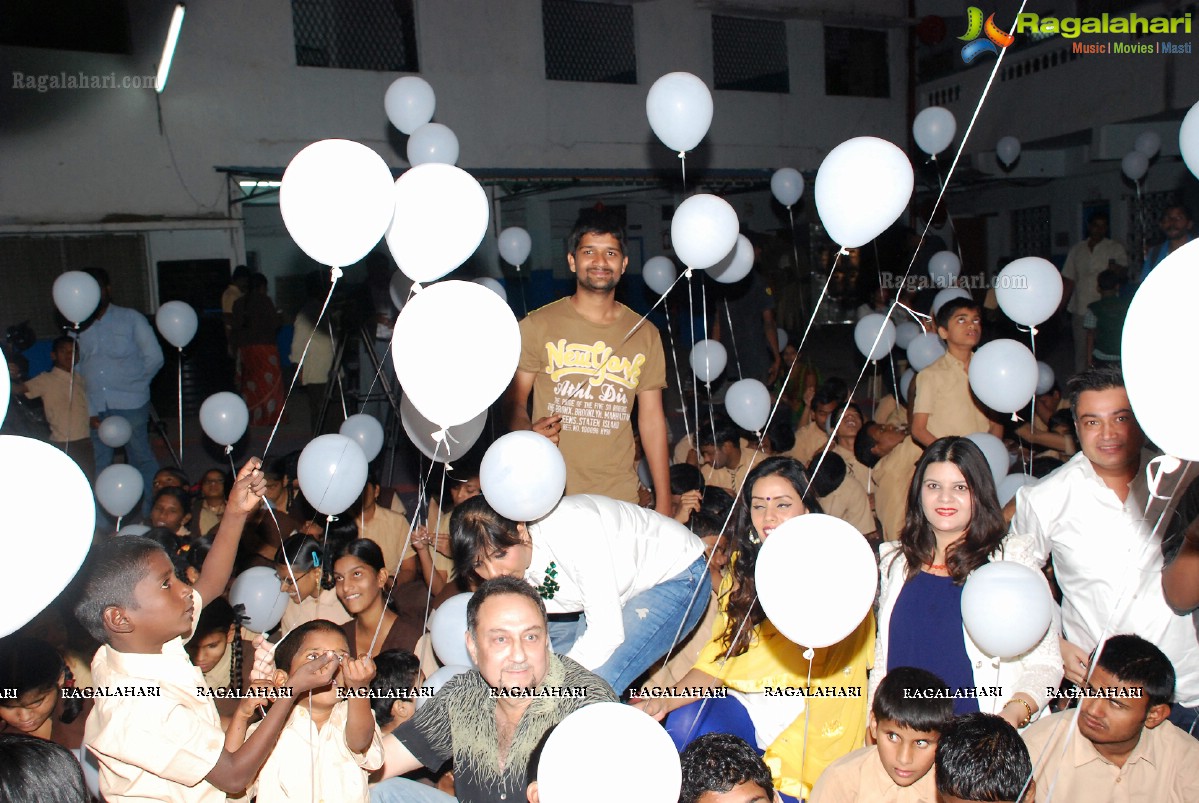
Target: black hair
241,272
1043,466
596,222
863,446
722,431
1180,206
217,617
952,307
831,473
30,664
178,474
39,771
717,501
475,529
111,571
178,549
289,647
1107,280
685,477
180,495
895,701
495,587
981,757
395,673
304,553
226,480
61,340
258,282
832,390
1132,659
1104,378
365,550
1098,216
742,603
780,433
986,529
717,762
197,551
704,523
100,275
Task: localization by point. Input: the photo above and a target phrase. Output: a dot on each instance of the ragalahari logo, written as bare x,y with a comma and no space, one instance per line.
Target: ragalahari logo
995,38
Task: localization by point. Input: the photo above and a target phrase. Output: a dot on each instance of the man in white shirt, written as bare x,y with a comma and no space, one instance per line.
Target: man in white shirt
1093,516
1084,263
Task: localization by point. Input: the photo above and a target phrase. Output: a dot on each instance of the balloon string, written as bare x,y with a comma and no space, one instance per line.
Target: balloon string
694,378
436,540
345,413
683,164
678,377
119,523
661,298
228,454
808,653
66,447
524,303
283,550
703,289
180,399
795,253
733,337
334,274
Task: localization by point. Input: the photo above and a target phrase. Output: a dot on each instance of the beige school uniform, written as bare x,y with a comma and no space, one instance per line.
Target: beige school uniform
859,777
850,504
392,532
892,479
943,392
591,375
809,440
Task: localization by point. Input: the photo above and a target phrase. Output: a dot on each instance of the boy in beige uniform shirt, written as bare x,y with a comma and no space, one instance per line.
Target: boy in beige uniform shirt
65,406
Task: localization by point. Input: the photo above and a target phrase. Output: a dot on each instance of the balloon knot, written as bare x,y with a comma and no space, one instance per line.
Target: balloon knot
1016,417
683,154
843,252
1034,331
335,273
448,467
809,653
687,273
229,449
416,288
331,519
439,435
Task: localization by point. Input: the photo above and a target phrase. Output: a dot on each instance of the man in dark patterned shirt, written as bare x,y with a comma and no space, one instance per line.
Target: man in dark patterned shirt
490,720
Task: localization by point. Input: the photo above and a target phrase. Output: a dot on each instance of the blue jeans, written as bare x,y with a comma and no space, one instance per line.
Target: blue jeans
137,452
402,790
648,637
1185,718
714,715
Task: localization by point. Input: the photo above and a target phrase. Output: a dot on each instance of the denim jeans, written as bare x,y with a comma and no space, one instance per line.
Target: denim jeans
651,623
1185,719
137,452
402,790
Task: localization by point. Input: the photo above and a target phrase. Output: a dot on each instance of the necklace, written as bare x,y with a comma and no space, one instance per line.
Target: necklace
549,586
938,566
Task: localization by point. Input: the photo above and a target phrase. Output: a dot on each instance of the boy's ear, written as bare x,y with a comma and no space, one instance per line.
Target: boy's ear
115,620
1030,794
402,710
279,678
232,632
1156,715
872,727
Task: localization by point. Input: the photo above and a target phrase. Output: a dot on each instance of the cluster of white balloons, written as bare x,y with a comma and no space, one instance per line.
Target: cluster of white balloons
1135,163
410,103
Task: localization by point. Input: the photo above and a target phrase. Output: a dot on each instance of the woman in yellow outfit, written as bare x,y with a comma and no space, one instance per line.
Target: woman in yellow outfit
762,673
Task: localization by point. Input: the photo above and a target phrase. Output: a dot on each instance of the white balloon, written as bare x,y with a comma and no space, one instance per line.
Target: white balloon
447,631
1007,149
948,294
1161,319
659,274
133,529
56,551
1134,165
332,473
1045,378
708,358
786,184
420,431
434,682
409,103
515,245
1003,375
454,313
905,383
366,431
399,289
432,143
822,607
679,108
782,336
5,396
118,488
224,417
115,431
441,215
76,294
905,332
867,330
494,285
257,588
1006,608
703,231
1008,486
924,350
1148,143
1188,140
578,763
177,323
748,403
944,267
336,200
933,129
994,451
1029,290
736,265
862,186
522,475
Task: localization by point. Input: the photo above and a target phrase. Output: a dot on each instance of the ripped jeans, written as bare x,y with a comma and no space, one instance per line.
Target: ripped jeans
651,623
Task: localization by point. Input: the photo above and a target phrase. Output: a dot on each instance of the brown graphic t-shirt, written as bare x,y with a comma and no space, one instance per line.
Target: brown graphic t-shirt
586,374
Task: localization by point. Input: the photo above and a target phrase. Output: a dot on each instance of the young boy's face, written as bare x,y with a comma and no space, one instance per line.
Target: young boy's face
314,646
907,754
964,328
66,356
162,606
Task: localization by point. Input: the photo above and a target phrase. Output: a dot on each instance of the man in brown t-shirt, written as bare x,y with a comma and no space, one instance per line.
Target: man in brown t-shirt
584,375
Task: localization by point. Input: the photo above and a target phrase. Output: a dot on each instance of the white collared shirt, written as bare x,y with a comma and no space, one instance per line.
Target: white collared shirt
1107,559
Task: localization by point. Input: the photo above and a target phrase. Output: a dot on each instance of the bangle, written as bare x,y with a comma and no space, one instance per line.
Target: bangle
1027,708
